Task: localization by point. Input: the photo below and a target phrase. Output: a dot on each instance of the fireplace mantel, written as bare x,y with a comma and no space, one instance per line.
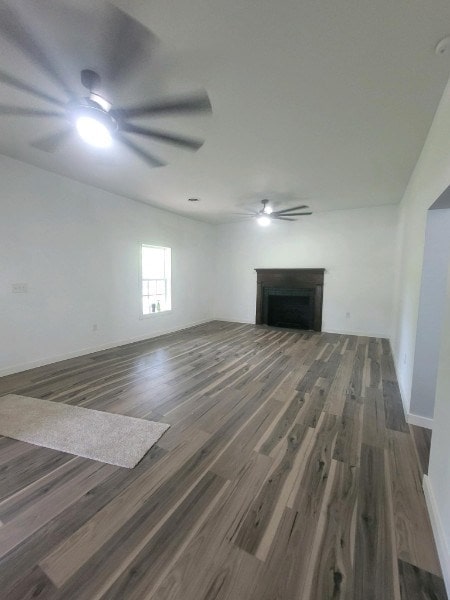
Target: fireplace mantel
290,279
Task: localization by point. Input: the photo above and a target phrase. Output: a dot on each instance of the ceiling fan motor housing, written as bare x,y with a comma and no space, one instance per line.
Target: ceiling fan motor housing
90,79
93,110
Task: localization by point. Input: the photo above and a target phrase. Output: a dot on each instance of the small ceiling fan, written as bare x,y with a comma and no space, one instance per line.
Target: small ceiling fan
266,214
97,120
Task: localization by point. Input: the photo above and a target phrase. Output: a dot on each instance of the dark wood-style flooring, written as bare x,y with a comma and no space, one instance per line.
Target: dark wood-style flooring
288,473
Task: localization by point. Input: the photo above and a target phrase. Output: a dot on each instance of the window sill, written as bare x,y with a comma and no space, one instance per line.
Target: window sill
155,314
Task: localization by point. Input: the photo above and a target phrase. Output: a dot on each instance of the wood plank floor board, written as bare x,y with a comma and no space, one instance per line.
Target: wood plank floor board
334,547
33,584
417,584
234,457
374,419
24,469
50,505
320,368
254,525
348,441
412,523
340,387
278,479
387,363
312,408
135,582
422,443
71,520
98,575
373,570
228,572
11,449
283,424
395,417
374,354
288,561
356,378
27,495
136,503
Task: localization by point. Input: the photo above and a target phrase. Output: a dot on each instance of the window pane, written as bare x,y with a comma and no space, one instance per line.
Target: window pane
156,278
145,305
152,263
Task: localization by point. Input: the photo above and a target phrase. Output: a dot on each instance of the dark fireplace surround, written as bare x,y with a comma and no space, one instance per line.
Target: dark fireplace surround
290,298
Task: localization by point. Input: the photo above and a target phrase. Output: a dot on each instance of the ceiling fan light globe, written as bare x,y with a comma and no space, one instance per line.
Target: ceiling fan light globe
268,210
93,132
263,220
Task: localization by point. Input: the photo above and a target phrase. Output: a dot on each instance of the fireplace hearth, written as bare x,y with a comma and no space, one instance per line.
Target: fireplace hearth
290,298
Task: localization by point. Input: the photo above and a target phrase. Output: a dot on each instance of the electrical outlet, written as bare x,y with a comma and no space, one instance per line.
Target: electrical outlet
19,288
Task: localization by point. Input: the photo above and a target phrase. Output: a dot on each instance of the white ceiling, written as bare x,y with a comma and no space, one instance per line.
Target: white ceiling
325,100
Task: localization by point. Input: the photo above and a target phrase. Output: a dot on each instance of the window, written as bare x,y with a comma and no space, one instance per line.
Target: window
155,277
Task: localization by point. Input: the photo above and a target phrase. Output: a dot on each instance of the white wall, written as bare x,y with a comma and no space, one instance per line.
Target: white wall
356,247
77,249
439,470
430,178
431,310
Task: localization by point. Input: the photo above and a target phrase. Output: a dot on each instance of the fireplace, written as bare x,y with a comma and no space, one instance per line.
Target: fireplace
290,298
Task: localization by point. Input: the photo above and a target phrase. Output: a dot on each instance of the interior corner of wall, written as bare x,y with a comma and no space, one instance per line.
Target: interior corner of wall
404,395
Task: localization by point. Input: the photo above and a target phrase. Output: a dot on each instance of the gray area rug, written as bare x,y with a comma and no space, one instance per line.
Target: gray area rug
107,437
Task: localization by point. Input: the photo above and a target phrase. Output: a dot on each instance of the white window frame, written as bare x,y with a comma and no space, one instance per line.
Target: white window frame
167,282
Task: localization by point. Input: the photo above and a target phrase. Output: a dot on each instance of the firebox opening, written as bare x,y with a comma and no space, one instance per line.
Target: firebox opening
289,308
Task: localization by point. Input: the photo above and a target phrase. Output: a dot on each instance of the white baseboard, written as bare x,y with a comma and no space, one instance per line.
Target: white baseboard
438,531
231,320
419,420
358,333
83,351
324,329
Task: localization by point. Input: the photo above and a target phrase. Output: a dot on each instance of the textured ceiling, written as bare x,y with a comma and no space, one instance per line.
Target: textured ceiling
328,101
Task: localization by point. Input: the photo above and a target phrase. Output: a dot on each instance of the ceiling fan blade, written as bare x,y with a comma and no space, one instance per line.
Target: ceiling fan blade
26,87
177,140
28,112
125,42
293,214
50,143
13,28
153,161
188,104
284,219
287,210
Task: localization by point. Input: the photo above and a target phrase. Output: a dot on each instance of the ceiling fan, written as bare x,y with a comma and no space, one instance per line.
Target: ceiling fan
266,214
93,116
